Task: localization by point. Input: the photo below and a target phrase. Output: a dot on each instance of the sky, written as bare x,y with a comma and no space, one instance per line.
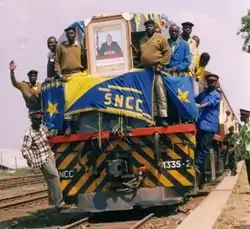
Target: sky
26,24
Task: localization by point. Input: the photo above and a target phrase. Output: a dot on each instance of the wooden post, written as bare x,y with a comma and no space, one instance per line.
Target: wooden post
212,164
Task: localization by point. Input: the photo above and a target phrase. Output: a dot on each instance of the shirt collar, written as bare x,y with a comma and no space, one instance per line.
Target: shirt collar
36,85
76,43
50,54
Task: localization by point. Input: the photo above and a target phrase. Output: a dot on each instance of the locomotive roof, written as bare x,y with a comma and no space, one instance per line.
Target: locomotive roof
136,21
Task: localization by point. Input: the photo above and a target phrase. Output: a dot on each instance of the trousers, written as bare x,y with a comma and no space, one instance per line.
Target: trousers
204,143
160,97
232,162
51,177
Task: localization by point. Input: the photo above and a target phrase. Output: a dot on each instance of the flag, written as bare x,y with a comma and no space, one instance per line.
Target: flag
53,104
180,91
129,94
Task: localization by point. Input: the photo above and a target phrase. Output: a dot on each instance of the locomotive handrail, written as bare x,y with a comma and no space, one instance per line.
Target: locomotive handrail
182,128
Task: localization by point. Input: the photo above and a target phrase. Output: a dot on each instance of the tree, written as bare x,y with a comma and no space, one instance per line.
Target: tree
244,32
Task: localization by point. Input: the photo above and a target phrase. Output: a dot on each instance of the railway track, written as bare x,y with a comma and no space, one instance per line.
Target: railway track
84,223
20,181
23,199
162,217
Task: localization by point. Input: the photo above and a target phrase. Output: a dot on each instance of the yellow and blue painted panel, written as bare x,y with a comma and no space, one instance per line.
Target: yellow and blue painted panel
174,169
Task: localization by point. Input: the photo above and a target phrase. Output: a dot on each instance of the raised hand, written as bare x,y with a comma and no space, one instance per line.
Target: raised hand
12,65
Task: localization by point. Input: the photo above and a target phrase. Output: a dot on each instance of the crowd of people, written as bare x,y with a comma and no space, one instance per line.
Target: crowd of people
177,55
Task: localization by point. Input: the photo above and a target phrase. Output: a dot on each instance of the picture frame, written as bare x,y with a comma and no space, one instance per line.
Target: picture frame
108,43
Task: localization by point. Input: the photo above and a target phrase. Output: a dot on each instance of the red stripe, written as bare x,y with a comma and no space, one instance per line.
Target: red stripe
147,131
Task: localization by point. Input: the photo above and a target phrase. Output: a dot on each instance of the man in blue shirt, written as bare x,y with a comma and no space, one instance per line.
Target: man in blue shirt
208,122
181,57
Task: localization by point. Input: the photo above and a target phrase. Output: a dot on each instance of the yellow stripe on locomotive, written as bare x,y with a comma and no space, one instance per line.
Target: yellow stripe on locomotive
87,171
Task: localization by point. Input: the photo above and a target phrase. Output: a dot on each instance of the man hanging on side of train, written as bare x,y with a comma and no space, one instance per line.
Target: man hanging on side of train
230,140
37,151
155,52
30,90
208,122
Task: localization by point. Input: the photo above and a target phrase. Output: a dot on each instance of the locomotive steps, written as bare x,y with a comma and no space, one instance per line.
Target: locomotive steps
211,208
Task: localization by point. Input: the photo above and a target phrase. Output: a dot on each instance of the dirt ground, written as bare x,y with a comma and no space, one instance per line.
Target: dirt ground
236,214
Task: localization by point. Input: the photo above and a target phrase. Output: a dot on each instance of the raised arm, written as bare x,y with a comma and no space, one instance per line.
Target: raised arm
12,68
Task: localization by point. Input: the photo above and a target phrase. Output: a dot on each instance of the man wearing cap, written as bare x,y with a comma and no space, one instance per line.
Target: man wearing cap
186,32
69,58
208,122
155,52
36,150
30,90
180,59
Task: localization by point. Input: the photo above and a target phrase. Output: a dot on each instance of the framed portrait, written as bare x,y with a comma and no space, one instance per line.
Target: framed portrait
108,46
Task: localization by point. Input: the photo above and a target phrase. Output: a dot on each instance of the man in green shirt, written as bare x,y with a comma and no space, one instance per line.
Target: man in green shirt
244,140
230,143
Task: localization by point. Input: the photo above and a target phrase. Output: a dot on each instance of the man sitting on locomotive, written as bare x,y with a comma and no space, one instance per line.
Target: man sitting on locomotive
208,122
155,52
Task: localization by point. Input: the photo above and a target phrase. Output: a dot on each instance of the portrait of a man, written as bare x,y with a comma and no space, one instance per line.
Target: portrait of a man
110,42
110,47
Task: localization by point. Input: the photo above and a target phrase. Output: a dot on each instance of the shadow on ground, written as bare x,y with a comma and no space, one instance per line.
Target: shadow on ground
40,219
50,218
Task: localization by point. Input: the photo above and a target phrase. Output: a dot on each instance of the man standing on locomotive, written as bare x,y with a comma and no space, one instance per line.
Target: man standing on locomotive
30,90
70,56
36,150
155,52
70,59
186,35
51,43
208,122
180,59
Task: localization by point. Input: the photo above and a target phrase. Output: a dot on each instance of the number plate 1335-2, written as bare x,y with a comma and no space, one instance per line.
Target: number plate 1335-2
176,164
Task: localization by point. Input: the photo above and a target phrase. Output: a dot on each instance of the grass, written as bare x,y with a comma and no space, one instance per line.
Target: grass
17,172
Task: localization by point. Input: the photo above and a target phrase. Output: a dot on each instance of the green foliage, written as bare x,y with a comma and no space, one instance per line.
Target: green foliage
244,32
